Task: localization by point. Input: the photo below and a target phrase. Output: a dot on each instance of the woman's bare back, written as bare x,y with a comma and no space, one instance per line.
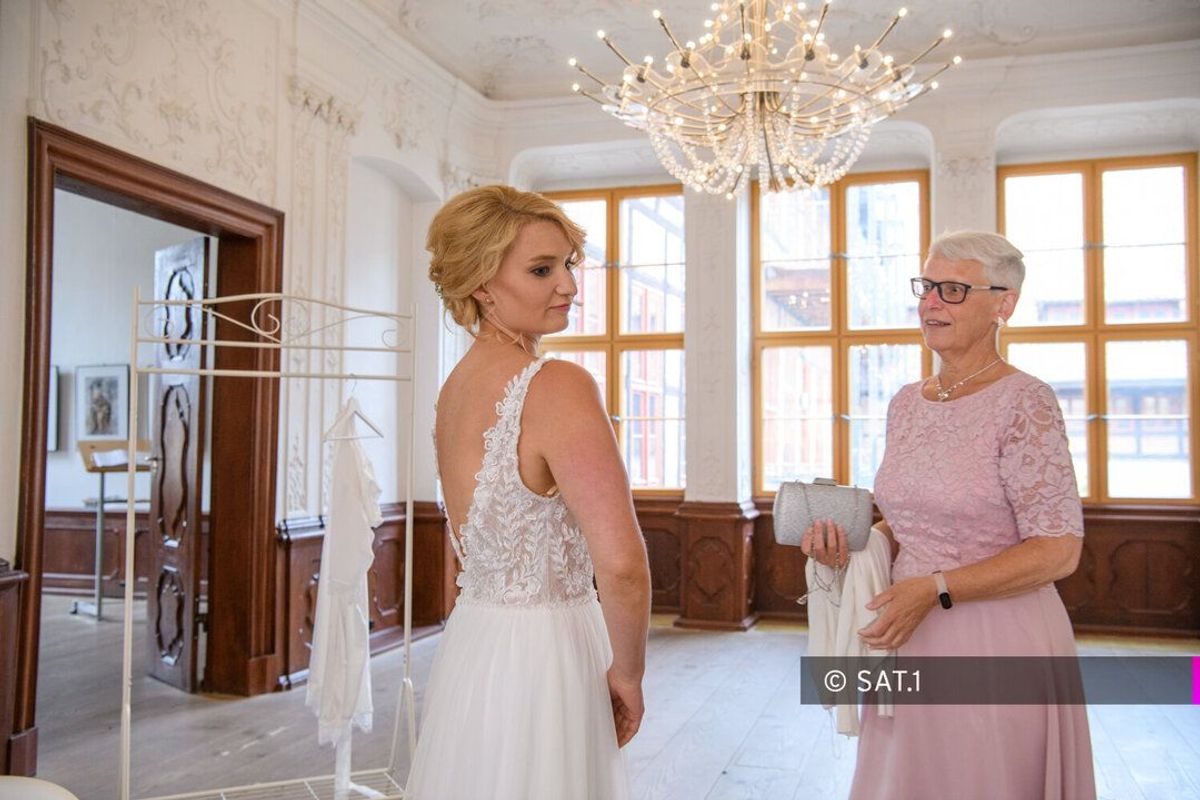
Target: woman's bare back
466,409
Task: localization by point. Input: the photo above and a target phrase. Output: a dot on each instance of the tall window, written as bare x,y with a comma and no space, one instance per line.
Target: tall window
836,331
628,332
1109,315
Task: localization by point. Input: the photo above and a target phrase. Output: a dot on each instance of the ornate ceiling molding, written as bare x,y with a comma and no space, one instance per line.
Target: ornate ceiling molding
406,114
306,95
495,45
457,179
580,163
994,21
1095,129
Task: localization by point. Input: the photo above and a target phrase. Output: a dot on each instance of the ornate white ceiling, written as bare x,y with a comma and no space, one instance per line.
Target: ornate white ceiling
517,49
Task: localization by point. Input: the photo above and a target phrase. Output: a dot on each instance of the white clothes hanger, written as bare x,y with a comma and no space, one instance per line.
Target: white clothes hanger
352,403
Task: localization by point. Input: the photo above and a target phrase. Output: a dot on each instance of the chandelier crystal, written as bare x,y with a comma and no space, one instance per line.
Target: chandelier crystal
761,91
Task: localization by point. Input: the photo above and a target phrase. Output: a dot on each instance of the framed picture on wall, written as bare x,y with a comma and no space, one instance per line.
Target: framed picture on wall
52,410
102,402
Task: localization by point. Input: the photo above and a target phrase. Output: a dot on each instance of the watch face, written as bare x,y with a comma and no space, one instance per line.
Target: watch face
944,599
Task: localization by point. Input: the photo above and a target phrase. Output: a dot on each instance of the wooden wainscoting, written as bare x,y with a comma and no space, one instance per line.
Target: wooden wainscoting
718,571
300,542
69,561
778,572
663,532
1139,572
11,582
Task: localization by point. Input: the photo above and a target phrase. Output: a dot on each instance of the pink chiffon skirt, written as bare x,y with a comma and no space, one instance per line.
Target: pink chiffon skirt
992,752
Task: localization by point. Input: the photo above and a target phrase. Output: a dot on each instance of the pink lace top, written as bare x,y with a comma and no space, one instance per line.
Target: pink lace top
962,480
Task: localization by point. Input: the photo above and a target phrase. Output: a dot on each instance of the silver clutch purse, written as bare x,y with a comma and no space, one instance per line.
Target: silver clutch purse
798,505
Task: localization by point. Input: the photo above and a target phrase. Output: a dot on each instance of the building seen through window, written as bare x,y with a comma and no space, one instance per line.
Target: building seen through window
1105,314
628,330
836,330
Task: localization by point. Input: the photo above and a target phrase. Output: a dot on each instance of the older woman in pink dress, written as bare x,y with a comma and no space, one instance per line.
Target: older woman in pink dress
979,499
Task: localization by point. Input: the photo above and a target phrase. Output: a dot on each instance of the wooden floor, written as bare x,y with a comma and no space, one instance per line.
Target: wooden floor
724,721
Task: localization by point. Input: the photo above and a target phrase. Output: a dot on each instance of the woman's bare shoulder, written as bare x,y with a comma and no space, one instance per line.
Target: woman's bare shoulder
564,394
565,381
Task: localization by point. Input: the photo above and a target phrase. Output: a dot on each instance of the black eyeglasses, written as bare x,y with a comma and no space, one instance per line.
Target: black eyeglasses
952,292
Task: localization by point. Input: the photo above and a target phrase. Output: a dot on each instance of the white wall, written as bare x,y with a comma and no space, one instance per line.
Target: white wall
15,57
378,241
100,253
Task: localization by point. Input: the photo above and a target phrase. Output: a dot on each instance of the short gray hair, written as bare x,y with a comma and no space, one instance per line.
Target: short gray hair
1003,264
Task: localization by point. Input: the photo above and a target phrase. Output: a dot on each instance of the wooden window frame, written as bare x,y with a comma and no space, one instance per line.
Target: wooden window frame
614,343
1095,332
839,336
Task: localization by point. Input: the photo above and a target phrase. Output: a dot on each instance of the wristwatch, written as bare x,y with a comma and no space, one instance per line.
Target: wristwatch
943,591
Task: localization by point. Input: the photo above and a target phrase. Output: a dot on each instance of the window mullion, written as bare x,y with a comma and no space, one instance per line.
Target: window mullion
839,314
613,247
1093,292
1094,255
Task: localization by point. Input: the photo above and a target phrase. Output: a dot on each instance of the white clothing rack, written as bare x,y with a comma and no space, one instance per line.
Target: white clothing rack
276,322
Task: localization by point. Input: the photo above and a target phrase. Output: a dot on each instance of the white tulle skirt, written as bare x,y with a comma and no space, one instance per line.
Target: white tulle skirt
517,708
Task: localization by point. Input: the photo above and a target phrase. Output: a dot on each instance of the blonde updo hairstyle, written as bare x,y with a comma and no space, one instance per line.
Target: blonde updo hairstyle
471,235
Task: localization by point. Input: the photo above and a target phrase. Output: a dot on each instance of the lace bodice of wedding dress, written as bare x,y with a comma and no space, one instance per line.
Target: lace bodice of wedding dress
517,547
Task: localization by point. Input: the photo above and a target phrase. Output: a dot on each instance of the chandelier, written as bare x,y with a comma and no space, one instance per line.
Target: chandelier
762,90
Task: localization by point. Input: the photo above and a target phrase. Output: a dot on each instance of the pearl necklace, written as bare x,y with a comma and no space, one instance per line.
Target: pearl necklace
944,394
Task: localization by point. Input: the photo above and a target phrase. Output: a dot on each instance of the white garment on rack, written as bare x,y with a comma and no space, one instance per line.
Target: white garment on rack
339,675
835,617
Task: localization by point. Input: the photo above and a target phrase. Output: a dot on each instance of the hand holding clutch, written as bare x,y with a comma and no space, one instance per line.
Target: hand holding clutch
799,505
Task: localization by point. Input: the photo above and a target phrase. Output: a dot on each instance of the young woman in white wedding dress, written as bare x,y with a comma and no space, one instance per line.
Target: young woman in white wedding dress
536,685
